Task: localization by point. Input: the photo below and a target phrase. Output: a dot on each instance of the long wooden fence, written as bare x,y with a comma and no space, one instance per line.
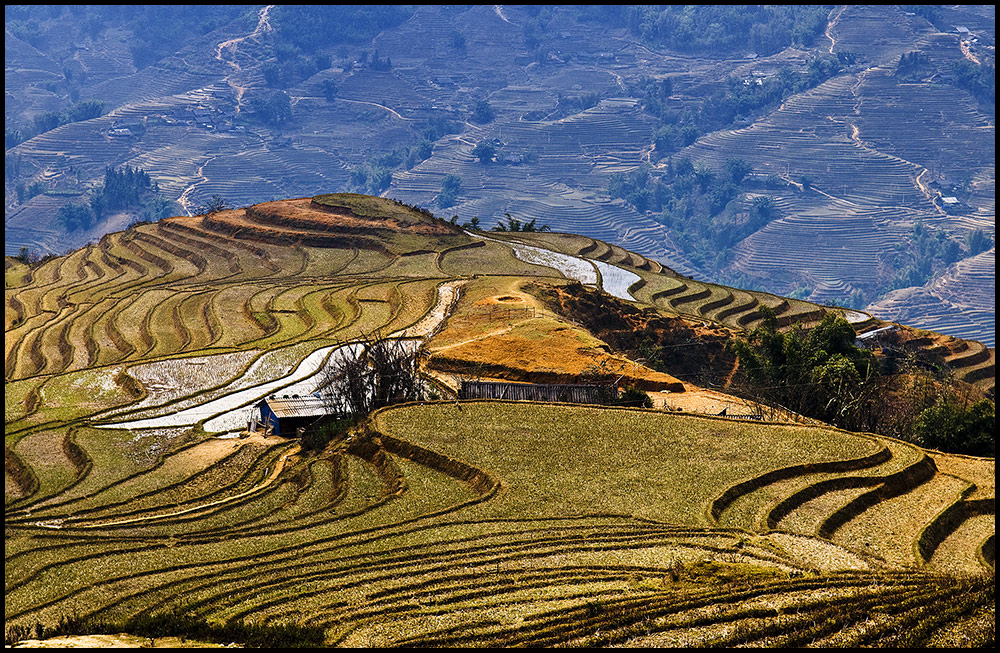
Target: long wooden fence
562,392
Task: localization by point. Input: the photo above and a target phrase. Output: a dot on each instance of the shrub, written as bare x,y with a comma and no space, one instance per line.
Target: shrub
947,426
632,396
316,439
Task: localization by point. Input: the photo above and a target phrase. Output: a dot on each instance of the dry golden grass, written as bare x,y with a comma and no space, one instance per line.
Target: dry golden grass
497,330
574,460
459,523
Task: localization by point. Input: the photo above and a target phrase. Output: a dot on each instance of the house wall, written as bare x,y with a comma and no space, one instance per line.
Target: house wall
268,418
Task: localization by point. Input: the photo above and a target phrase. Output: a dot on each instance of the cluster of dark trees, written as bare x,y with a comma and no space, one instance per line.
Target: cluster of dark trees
473,224
567,105
49,120
123,189
26,191
29,256
513,224
722,30
371,179
311,28
482,112
820,373
157,30
439,126
305,35
292,60
75,217
978,79
977,242
449,191
952,424
911,64
491,151
926,252
484,151
702,206
741,98
289,66
376,175
377,63
273,108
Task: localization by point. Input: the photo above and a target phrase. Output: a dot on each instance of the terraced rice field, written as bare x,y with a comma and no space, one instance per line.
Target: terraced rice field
875,144
644,280
497,523
130,366
947,300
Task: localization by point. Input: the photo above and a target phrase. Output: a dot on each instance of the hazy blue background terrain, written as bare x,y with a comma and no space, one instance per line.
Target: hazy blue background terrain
840,154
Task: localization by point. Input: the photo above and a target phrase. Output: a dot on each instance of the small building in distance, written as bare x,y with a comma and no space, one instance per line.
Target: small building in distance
952,205
285,415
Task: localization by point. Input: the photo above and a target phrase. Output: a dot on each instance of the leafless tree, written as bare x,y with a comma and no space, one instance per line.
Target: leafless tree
376,372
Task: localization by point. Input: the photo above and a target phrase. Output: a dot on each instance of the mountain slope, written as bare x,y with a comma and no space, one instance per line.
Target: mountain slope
135,499
254,105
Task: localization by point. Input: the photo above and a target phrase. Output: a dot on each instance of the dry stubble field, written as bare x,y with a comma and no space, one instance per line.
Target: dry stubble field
448,523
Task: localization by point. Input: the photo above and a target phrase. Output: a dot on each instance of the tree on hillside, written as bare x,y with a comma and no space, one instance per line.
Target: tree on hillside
28,256
820,373
635,398
380,372
214,204
379,64
817,373
449,191
484,151
513,224
75,217
737,170
329,89
482,112
978,242
948,426
705,177
372,373
273,108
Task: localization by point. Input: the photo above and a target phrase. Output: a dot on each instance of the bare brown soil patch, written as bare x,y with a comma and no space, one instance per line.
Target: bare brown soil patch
504,333
702,401
308,222
304,213
679,345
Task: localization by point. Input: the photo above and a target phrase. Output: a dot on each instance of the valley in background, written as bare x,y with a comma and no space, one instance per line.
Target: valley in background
840,154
